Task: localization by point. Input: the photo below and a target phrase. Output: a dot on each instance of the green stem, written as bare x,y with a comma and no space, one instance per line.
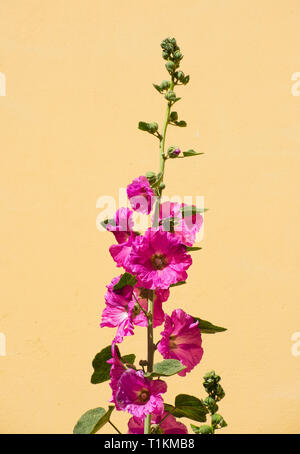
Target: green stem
162,155
114,427
151,349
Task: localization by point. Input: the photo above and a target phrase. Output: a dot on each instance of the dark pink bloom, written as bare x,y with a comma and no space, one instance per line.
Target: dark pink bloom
141,195
122,225
142,295
169,425
118,310
138,395
181,339
185,227
116,370
120,252
158,259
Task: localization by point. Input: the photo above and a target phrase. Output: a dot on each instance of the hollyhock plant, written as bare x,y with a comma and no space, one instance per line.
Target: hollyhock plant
139,395
158,259
181,339
141,195
163,424
153,261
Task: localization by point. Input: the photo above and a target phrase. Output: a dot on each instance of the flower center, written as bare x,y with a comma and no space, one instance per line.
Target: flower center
144,395
172,343
159,261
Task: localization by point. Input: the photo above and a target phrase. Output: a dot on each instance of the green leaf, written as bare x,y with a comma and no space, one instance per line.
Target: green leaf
187,406
128,359
126,279
218,421
205,429
101,368
92,421
157,87
190,153
108,221
176,100
207,327
178,283
167,368
191,249
192,210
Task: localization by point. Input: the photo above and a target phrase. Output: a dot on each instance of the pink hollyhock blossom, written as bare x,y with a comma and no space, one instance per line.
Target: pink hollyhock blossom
172,220
142,295
118,310
181,339
141,195
138,395
122,225
169,425
116,370
158,259
120,252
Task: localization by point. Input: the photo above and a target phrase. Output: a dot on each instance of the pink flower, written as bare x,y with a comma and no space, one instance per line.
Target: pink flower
122,225
120,252
168,426
116,370
118,310
181,339
172,220
138,395
142,295
158,259
141,195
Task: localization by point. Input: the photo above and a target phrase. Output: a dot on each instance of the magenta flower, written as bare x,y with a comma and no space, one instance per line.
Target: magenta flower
116,370
141,195
118,310
181,339
171,219
138,395
122,225
120,252
168,426
142,295
158,259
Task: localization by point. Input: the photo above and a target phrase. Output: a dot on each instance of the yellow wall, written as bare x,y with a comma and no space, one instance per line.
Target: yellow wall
79,77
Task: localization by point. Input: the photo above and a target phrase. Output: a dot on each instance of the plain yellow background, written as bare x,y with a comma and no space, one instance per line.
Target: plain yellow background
79,77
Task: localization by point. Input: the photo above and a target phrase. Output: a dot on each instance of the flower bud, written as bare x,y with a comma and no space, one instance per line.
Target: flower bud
174,116
178,55
170,65
170,96
165,85
180,75
173,152
152,127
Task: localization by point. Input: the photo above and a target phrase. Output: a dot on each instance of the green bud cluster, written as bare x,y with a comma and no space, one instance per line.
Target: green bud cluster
215,394
212,386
